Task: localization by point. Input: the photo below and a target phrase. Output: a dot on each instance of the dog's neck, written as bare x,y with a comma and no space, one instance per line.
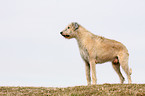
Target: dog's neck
81,33
84,36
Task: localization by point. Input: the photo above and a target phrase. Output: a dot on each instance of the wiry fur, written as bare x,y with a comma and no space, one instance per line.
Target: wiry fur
95,49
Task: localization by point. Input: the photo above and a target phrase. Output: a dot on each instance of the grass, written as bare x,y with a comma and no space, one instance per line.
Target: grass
94,90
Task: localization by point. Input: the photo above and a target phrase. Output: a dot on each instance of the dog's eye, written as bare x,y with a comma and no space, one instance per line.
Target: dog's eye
68,27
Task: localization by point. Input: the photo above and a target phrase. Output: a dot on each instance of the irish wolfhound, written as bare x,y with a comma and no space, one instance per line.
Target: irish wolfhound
95,49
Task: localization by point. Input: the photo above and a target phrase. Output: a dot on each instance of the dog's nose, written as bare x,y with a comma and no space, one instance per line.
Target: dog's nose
61,33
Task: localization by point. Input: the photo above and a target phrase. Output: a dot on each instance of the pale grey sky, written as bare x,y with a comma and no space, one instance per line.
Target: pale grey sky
33,53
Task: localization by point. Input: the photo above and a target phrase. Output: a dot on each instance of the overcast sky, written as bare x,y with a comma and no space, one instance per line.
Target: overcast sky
33,53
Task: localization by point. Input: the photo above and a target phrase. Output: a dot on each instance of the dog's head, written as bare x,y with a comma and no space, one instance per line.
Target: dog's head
70,31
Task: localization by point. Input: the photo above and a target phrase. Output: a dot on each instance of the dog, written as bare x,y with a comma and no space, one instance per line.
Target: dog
96,49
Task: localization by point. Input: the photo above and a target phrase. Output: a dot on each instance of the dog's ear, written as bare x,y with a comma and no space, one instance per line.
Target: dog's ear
76,25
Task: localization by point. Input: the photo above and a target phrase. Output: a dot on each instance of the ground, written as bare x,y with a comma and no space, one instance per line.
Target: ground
93,90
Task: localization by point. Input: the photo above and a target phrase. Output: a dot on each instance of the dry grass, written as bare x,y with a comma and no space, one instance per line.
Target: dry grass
94,90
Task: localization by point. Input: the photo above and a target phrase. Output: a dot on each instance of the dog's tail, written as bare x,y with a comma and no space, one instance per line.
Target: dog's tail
130,71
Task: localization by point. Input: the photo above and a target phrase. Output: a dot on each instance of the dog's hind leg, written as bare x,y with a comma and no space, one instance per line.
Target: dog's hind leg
116,67
123,60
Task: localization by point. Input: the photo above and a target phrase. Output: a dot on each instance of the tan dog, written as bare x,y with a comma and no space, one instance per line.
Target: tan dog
96,49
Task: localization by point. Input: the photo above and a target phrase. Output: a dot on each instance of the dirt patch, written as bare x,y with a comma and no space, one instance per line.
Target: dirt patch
94,90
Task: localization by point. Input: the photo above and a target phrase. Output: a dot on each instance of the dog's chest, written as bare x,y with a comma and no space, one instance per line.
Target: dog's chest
84,54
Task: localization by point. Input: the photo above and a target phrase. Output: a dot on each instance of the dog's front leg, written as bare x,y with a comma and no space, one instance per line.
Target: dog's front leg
93,71
87,67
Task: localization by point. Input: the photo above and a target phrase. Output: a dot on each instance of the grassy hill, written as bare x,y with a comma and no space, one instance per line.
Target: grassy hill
94,90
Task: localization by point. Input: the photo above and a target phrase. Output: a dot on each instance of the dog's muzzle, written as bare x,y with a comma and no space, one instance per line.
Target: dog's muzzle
64,35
